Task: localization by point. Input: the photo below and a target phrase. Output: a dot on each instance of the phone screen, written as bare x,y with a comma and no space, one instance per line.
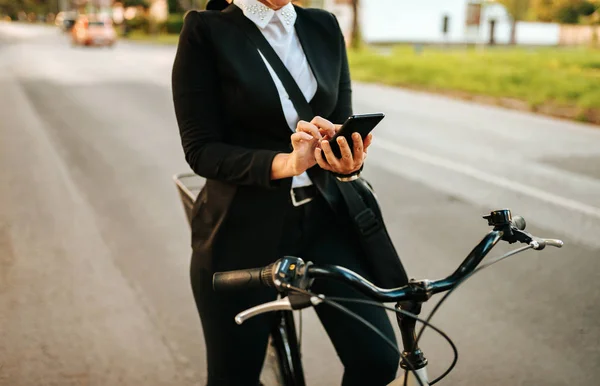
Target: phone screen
361,123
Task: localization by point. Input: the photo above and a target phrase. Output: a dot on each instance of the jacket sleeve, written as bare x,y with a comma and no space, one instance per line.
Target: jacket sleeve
195,88
343,108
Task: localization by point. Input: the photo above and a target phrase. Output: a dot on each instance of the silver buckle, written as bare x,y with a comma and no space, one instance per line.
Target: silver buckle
301,202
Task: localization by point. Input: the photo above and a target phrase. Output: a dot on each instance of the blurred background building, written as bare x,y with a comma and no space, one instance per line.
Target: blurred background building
465,21
526,22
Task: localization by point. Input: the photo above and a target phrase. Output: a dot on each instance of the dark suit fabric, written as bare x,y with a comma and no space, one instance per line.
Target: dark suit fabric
232,126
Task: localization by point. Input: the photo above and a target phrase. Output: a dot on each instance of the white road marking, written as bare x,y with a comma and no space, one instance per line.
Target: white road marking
498,181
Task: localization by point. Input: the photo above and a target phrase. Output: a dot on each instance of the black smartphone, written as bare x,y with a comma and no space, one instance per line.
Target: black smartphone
359,123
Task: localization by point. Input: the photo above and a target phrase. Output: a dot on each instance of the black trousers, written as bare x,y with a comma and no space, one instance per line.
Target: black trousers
235,354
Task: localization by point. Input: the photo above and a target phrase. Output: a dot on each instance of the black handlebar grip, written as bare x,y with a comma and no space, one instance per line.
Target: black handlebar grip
243,279
237,280
519,222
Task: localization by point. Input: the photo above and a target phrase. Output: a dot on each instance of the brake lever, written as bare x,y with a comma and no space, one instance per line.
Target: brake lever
538,244
282,304
292,302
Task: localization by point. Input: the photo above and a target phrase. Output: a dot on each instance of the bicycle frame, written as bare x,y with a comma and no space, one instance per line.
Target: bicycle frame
410,379
286,344
289,357
290,363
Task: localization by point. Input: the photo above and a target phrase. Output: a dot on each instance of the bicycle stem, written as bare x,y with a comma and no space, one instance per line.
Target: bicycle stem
412,352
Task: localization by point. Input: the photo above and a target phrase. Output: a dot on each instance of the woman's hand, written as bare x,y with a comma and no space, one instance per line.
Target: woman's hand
304,141
307,142
350,161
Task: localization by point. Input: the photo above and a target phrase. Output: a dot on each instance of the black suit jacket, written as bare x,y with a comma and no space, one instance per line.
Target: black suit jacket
232,125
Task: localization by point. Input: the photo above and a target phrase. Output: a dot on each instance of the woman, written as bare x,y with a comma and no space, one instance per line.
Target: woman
271,188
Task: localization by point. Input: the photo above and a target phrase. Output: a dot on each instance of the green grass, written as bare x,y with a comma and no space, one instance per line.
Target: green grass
541,76
558,81
157,39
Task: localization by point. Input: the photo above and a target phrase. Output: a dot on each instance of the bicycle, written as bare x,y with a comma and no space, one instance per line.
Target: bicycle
292,277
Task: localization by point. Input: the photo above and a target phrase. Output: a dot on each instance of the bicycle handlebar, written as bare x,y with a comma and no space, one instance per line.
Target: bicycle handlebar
415,290
290,272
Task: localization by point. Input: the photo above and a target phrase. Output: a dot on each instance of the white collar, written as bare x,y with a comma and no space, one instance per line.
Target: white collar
261,15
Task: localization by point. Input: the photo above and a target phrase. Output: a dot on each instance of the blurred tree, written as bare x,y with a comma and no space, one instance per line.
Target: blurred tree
38,7
186,5
587,8
136,3
544,10
173,6
567,14
355,38
564,11
8,7
571,12
518,10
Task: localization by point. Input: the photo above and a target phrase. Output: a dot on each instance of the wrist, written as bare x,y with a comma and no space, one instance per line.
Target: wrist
292,168
350,176
284,166
279,166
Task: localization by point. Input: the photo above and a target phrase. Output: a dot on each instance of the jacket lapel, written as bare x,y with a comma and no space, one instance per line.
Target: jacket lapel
258,65
310,41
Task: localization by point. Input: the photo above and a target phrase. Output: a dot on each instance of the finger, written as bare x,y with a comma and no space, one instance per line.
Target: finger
358,147
347,159
309,128
329,156
368,141
336,129
327,132
325,127
297,138
321,160
302,136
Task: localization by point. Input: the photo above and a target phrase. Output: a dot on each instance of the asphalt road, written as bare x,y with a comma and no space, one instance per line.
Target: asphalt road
94,245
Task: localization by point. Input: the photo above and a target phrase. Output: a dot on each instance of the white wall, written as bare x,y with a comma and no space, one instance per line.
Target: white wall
547,34
412,20
528,33
343,13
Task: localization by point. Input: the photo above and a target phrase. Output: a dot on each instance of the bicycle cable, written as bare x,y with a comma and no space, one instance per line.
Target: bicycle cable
300,332
363,321
413,316
447,294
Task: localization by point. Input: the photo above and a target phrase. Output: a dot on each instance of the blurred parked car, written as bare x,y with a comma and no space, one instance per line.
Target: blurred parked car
90,30
65,20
